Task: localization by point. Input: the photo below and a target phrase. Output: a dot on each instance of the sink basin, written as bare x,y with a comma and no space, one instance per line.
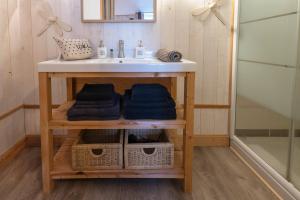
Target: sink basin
125,60
116,65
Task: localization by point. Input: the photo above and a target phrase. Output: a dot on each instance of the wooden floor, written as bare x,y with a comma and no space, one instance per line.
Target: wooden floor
217,174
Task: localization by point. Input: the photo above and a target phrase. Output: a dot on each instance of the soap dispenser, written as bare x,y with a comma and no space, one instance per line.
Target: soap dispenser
140,50
101,50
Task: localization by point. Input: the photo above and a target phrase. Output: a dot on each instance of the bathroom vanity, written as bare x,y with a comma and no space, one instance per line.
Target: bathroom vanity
123,73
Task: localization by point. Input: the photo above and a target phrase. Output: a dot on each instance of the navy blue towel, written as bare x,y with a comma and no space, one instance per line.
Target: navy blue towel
96,92
159,106
146,103
100,103
154,92
96,117
95,112
157,114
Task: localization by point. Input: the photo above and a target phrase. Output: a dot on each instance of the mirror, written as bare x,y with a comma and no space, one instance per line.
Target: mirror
118,10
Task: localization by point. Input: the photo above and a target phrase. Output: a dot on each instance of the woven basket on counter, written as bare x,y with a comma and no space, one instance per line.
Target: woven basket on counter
148,149
98,149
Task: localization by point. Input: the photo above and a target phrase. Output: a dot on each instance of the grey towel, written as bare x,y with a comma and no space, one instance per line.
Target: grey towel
168,55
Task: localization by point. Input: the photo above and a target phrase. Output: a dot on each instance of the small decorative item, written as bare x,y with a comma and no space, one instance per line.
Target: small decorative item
46,12
74,49
212,7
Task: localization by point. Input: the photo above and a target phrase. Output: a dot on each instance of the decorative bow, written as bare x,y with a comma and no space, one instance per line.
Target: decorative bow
46,12
212,7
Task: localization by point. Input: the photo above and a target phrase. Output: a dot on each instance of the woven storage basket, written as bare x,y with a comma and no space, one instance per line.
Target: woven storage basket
150,155
98,149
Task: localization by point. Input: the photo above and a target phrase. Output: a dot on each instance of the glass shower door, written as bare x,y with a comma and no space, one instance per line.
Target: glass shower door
266,64
294,173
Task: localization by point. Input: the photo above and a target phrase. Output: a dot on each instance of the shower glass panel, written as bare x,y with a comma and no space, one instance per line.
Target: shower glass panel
266,64
294,173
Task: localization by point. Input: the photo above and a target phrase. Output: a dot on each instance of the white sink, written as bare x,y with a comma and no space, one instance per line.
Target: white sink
124,60
116,65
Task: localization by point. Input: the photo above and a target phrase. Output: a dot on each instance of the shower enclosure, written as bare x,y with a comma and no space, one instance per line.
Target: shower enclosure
267,103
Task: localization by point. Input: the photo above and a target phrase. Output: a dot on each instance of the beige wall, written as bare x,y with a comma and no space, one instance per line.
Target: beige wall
15,59
204,42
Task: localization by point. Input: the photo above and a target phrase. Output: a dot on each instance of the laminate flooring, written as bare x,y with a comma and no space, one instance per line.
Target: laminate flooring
217,175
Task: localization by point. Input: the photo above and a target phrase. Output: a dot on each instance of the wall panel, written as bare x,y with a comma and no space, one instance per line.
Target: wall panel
15,67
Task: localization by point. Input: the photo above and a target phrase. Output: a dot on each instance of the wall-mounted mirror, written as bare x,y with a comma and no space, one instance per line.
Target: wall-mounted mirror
118,10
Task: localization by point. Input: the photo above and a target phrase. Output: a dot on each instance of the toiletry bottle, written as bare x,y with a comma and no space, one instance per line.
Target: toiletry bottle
112,53
101,51
140,50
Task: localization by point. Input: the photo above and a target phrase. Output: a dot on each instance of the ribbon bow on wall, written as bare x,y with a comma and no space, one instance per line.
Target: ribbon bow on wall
203,12
46,12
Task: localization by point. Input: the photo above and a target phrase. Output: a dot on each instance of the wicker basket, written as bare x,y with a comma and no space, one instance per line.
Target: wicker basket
151,155
98,149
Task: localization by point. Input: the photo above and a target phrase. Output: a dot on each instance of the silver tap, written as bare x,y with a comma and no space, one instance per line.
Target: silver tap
121,49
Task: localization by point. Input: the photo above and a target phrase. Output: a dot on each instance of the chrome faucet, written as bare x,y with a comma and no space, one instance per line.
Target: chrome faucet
121,49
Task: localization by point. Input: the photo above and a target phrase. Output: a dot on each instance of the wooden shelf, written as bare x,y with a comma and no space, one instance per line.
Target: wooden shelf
60,121
63,168
60,167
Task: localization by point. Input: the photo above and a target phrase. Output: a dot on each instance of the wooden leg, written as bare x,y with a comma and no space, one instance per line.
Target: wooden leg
189,95
70,89
174,88
46,134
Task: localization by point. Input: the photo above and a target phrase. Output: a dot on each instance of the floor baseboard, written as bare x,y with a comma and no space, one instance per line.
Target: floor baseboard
12,152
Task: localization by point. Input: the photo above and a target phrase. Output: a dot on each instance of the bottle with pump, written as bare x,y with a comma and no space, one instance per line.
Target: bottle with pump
101,50
140,50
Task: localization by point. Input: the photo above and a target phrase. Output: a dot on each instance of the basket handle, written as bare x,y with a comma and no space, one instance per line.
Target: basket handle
149,151
97,152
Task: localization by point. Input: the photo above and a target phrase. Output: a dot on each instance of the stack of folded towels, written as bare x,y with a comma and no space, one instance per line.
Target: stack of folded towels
96,102
149,101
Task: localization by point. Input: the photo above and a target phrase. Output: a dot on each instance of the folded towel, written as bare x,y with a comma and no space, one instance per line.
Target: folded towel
95,112
150,110
166,55
149,101
90,117
154,116
96,92
150,113
146,103
149,92
100,103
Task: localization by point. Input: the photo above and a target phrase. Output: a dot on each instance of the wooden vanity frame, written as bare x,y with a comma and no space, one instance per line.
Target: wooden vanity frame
58,166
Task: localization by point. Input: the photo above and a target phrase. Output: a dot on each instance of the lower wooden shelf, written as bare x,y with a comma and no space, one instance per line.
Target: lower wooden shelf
62,168
60,121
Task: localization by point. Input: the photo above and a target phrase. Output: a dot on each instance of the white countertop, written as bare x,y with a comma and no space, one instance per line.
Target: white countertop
116,65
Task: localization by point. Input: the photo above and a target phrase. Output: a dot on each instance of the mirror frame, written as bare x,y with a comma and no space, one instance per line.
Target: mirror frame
121,21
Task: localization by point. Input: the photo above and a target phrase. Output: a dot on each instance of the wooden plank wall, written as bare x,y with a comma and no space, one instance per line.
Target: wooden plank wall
204,42
15,60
